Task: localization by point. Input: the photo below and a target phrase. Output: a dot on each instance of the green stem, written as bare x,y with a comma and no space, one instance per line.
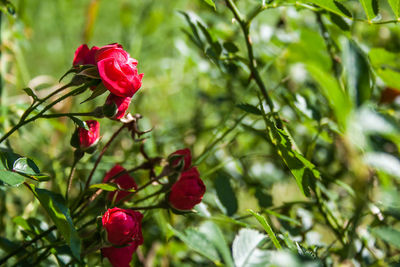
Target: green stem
23,122
89,179
58,115
77,156
21,248
245,26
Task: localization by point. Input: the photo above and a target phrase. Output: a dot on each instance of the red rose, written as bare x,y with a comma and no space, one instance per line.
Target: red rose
388,95
119,257
85,56
122,104
188,191
124,181
118,70
187,158
123,226
89,138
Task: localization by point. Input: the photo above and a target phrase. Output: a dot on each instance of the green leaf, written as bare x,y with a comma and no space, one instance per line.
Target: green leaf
387,234
56,208
91,72
332,6
32,94
225,193
11,178
26,166
230,47
210,3
371,8
395,5
214,234
386,65
110,187
339,21
6,175
244,246
337,98
357,73
99,90
199,243
249,109
106,187
303,170
195,37
80,123
267,228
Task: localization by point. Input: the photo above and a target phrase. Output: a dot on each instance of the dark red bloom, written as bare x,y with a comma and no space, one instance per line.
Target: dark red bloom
388,95
121,102
188,191
124,181
120,257
84,55
118,70
187,158
123,226
89,138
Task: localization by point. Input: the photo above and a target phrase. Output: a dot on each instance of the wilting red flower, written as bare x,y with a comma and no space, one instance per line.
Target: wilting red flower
118,70
124,181
123,226
388,95
188,191
84,55
121,102
89,138
187,158
120,257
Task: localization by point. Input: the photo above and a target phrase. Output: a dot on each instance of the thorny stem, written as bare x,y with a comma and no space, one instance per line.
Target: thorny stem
245,26
103,151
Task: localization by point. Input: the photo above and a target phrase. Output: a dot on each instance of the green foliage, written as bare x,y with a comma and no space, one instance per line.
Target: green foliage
260,91
55,206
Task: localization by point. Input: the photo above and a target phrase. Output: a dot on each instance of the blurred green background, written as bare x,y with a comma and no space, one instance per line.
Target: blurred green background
189,98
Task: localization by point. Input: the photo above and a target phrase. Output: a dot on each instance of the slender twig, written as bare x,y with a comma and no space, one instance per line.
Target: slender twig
77,156
103,151
245,26
58,115
23,122
21,248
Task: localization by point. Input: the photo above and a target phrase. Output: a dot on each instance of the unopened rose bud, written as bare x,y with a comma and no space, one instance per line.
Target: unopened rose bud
120,256
116,106
84,55
186,158
188,191
123,180
89,138
123,226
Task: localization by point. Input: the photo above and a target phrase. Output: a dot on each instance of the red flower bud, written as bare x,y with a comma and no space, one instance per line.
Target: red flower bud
124,181
122,104
89,138
120,257
118,70
187,158
188,191
85,56
123,226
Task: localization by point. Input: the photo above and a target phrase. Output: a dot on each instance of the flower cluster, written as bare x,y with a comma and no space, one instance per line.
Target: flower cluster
117,71
110,68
